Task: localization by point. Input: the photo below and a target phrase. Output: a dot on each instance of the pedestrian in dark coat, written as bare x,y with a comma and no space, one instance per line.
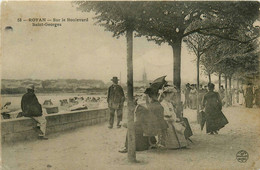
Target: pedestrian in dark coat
257,96
215,119
249,96
115,100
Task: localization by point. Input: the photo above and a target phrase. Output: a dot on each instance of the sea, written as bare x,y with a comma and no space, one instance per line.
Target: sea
54,97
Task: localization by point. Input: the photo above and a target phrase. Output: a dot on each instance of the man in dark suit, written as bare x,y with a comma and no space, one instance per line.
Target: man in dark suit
115,100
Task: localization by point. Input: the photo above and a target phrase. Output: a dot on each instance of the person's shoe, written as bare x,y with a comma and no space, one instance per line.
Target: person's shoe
152,147
118,126
124,150
216,132
211,133
184,147
42,138
124,125
160,146
110,127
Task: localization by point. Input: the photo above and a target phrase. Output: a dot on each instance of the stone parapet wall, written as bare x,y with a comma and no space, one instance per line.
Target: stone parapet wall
21,129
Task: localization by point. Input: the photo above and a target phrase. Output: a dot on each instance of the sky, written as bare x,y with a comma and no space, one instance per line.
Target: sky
77,50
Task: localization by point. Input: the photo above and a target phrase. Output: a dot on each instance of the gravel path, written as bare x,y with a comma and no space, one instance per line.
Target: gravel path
96,147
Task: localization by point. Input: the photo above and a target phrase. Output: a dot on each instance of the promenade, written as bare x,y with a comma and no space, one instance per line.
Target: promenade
96,147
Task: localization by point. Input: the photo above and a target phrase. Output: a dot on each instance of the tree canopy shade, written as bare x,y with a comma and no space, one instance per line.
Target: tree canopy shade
115,16
169,22
244,57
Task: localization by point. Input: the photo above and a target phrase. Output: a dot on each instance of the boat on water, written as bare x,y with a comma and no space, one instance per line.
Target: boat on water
50,107
81,106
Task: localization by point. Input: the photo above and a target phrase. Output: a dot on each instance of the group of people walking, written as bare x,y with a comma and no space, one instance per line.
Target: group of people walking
157,122
250,95
247,95
190,93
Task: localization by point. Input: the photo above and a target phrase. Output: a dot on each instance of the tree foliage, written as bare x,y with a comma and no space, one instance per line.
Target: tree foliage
232,57
114,16
199,44
164,22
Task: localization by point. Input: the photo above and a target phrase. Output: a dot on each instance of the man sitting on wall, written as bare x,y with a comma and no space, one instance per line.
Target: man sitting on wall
33,109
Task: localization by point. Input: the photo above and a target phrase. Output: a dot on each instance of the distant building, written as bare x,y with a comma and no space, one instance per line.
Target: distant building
144,82
145,77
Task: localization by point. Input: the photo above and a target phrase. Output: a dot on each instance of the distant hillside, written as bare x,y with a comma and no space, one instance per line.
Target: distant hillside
10,86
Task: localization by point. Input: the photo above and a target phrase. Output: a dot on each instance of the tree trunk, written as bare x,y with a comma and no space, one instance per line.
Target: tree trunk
226,93
198,87
177,66
130,99
209,75
237,90
176,46
230,82
230,91
219,80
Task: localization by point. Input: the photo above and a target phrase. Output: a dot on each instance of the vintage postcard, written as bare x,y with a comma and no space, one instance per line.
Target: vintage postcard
153,85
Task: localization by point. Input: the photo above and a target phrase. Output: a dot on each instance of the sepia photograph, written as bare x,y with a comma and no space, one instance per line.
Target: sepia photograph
111,85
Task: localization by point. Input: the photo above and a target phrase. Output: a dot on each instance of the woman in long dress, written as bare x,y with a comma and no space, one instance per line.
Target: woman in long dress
141,142
175,132
222,95
249,96
241,99
257,96
149,122
193,97
215,119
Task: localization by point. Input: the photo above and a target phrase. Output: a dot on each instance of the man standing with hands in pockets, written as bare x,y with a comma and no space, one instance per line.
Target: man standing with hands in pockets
115,100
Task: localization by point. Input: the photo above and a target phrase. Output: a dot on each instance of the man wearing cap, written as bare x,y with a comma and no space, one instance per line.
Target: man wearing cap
32,108
115,100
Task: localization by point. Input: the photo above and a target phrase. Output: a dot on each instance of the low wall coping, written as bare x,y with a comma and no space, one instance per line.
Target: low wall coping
55,114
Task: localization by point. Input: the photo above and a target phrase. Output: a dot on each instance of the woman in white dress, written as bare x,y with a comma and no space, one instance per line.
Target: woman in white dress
193,97
175,132
241,96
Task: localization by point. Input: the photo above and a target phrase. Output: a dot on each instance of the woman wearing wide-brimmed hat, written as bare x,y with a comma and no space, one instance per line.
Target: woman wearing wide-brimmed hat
176,127
147,123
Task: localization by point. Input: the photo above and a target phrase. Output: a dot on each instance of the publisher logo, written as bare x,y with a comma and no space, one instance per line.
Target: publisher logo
242,156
